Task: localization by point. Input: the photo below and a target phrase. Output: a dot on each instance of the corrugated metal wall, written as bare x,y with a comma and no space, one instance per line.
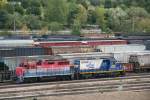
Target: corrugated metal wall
29,51
22,51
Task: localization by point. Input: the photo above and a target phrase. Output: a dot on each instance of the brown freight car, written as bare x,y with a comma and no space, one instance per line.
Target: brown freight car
79,43
53,50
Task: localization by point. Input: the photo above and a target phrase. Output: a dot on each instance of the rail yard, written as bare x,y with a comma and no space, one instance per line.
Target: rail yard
74,49
71,65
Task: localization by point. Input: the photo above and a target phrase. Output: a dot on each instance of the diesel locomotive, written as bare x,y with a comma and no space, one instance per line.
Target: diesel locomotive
79,68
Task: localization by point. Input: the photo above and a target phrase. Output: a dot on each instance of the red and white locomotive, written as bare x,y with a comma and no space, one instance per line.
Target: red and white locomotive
43,68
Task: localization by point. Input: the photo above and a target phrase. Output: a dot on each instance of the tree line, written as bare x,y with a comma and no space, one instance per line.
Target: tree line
110,15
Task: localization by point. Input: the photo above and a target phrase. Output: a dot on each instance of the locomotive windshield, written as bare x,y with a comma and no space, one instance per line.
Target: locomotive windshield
106,63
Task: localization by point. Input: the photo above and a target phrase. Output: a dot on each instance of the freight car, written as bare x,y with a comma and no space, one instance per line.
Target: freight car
64,69
53,50
5,74
141,62
118,48
14,43
79,43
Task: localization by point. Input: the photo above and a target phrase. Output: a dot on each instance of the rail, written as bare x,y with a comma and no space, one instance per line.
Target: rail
23,91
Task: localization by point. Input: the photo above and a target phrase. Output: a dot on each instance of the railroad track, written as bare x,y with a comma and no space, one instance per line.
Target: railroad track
130,83
133,75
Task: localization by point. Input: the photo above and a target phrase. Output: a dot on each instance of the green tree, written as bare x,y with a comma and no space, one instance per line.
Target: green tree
116,19
4,18
91,15
57,11
81,16
73,10
29,3
76,28
3,3
26,3
17,17
95,2
9,8
100,17
33,11
136,14
19,9
33,22
84,3
138,3
108,4
144,25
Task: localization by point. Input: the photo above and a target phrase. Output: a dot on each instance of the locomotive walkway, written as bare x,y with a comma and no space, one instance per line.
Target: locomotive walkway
127,83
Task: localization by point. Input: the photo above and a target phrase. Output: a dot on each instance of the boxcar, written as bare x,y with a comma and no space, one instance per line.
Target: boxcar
140,61
53,50
77,43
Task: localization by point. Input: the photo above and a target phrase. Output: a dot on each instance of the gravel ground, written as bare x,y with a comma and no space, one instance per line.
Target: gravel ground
120,95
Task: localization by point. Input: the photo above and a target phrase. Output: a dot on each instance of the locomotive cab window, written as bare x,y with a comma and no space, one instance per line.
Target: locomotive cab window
106,63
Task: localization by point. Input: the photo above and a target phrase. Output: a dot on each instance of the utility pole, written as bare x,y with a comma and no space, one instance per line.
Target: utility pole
14,23
133,24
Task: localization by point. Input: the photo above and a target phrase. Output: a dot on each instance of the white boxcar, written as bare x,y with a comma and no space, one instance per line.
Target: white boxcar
85,55
118,48
123,57
90,64
142,58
